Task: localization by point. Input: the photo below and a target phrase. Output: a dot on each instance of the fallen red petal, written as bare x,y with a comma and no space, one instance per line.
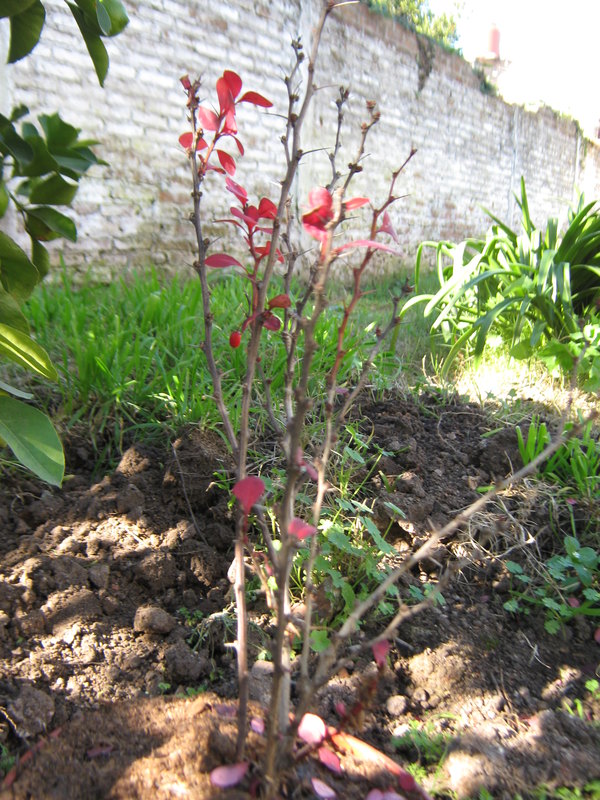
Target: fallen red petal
229,775
312,729
322,790
330,760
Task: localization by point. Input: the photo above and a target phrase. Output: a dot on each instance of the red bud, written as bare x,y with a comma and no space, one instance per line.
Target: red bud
235,339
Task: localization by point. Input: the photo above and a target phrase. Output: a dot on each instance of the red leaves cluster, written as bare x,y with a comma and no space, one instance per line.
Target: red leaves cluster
222,123
317,219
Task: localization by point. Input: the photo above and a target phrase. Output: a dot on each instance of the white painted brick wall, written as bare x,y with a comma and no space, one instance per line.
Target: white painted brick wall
472,148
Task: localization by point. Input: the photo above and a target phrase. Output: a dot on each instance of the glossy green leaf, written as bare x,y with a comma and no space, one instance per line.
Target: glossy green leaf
25,30
94,44
8,8
12,143
32,438
42,160
4,199
118,16
20,348
18,274
103,18
59,133
47,223
55,191
11,314
40,257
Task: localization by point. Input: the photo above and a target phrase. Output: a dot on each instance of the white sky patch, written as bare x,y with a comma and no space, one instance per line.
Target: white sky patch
552,47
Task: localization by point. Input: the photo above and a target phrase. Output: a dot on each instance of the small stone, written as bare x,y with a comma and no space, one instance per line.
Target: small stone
109,604
261,679
158,570
30,624
153,619
396,705
31,712
420,696
183,665
99,575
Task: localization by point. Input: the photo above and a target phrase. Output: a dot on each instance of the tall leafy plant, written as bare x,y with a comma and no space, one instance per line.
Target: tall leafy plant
40,170
536,288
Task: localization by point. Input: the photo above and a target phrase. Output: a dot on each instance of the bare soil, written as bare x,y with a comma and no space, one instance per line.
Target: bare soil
107,690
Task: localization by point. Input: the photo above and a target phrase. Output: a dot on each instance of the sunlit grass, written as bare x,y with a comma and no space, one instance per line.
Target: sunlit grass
131,363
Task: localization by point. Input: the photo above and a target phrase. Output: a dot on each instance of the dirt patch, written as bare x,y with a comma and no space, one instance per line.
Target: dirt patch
101,585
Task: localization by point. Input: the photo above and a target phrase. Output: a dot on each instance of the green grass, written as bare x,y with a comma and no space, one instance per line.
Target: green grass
131,364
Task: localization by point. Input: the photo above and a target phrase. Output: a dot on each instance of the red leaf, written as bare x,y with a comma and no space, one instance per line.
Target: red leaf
201,144
248,491
256,99
300,529
226,102
240,146
372,245
227,162
387,227
280,301
208,119
356,202
380,650
233,81
267,209
221,260
330,760
229,775
270,321
186,139
237,190
315,231
322,790
230,126
249,220
312,729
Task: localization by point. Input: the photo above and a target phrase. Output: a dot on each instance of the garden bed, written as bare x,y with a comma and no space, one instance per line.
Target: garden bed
114,596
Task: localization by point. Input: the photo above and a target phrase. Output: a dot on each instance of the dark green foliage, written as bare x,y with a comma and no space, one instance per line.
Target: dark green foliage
39,171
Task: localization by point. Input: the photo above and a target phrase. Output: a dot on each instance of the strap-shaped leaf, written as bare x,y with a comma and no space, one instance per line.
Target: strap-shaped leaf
20,348
25,30
17,273
32,438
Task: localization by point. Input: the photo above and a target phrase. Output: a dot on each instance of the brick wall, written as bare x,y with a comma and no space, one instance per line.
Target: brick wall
472,147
